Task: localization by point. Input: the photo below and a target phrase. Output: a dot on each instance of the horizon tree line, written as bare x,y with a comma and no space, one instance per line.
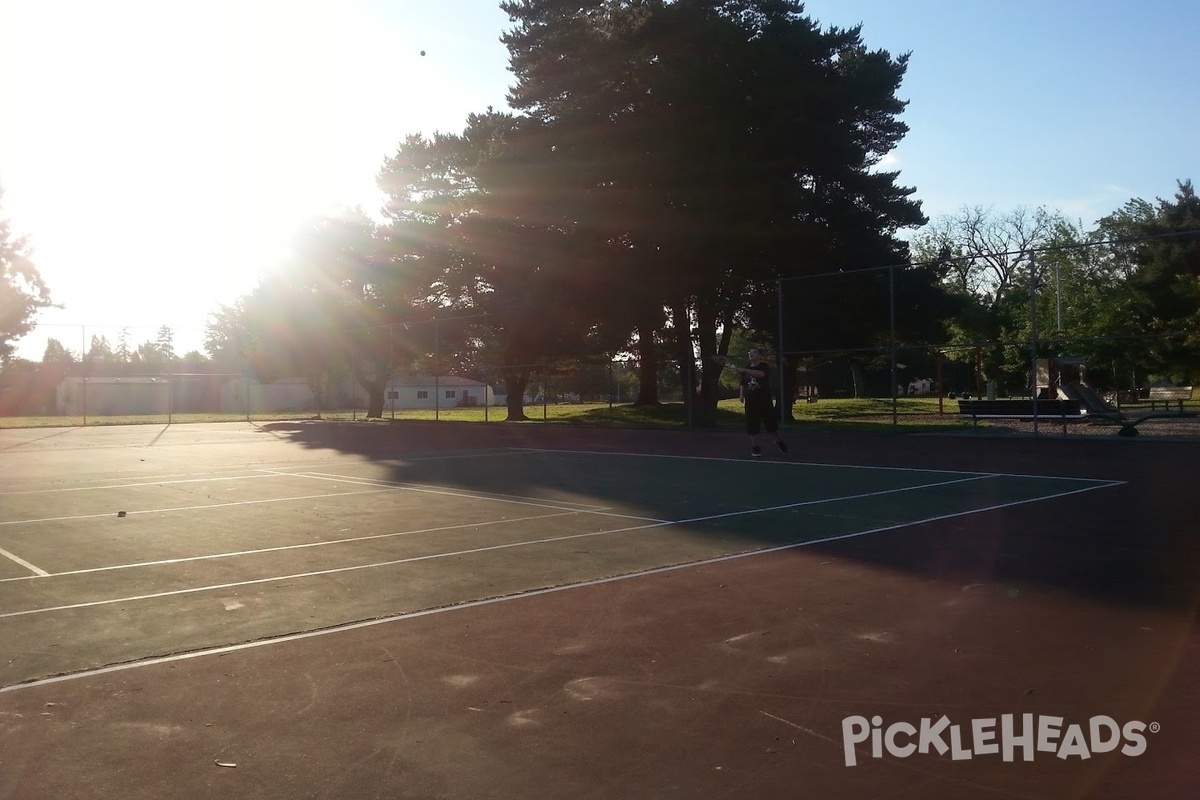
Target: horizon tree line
665,165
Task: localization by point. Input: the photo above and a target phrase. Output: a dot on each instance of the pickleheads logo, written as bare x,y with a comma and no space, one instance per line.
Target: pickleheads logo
1007,736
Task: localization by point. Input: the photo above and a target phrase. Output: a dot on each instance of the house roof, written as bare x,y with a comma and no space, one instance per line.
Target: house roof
101,379
423,381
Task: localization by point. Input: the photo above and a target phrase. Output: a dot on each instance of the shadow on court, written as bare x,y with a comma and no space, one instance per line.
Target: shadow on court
728,678
1133,543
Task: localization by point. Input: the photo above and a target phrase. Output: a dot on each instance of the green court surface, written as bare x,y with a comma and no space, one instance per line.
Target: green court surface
423,611
305,548
772,503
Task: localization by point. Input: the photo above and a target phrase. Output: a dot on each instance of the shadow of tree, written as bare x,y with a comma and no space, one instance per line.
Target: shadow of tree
1132,544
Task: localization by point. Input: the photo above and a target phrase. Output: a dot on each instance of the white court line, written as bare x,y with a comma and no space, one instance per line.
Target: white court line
476,550
434,489
292,637
401,460
136,485
1103,482
171,480
383,487
194,508
23,563
261,550
558,505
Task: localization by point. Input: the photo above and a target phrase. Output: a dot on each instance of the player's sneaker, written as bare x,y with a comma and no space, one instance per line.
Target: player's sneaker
782,445
756,451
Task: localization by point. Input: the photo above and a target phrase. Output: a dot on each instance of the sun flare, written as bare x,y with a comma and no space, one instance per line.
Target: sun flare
170,152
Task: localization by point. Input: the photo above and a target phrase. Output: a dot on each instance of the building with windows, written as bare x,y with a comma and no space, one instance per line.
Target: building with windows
427,392
167,394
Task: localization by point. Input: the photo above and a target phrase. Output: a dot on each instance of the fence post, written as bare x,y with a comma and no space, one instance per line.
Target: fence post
1033,336
689,394
941,391
785,398
611,387
892,327
437,383
84,369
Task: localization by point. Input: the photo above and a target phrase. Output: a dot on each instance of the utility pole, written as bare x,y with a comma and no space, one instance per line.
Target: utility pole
1033,335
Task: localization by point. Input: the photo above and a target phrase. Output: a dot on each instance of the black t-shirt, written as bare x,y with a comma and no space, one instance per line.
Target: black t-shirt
757,390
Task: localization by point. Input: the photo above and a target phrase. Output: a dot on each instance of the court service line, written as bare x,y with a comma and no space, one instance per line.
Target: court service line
1104,482
23,563
401,460
261,550
434,489
559,505
293,637
194,508
136,485
471,551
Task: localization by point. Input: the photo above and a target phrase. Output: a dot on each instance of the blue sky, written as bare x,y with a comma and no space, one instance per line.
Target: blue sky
1077,106
150,145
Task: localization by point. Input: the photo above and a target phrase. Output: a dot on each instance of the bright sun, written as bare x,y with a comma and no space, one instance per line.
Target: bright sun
169,151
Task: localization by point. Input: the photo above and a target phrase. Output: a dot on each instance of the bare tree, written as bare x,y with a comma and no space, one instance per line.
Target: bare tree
985,246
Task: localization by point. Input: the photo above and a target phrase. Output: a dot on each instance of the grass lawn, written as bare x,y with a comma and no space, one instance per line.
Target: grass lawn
912,414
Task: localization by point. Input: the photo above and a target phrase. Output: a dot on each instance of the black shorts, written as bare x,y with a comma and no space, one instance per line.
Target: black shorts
759,416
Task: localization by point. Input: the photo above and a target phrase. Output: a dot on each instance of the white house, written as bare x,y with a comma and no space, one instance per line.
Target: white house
427,392
110,396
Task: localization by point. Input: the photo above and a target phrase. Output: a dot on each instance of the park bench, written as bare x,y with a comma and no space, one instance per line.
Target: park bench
1063,411
1169,394
1089,405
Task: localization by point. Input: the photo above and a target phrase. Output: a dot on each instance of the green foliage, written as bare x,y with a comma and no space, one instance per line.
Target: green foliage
864,416
712,143
22,292
337,306
666,164
1165,276
57,353
164,344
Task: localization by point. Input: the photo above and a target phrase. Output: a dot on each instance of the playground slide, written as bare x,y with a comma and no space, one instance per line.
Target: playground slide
1089,401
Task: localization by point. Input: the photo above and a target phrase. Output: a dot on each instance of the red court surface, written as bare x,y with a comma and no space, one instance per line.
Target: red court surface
412,611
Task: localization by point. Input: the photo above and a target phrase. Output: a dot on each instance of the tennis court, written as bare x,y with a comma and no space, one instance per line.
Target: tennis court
312,610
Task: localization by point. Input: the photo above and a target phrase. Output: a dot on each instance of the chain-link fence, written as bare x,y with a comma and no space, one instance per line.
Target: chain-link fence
880,334
872,339
902,380
592,387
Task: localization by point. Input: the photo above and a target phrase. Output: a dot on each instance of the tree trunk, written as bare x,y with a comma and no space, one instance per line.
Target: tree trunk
375,388
706,330
317,385
685,357
858,378
647,367
514,385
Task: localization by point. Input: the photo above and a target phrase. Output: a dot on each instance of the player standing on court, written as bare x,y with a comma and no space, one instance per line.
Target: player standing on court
755,395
